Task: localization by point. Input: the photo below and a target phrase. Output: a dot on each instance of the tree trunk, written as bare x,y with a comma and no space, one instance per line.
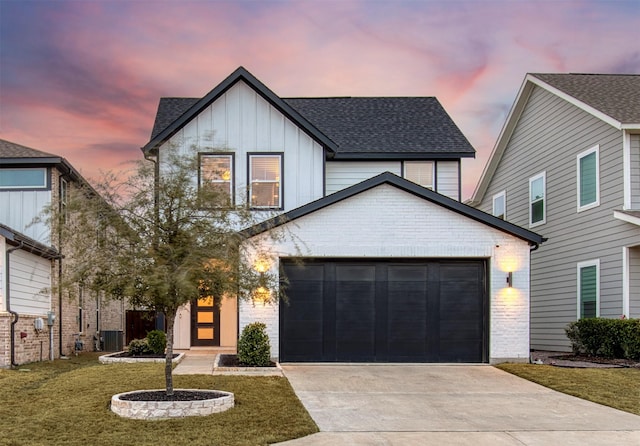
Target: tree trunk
168,363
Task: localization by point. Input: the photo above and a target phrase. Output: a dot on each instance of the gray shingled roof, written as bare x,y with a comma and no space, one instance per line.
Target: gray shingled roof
361,126
170,109
615,95
384,124
10,149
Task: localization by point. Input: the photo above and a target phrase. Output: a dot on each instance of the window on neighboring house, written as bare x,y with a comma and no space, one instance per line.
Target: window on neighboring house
23,178
588,289
64,198
500,205
265,181
537,198
420,172
216,172
588,179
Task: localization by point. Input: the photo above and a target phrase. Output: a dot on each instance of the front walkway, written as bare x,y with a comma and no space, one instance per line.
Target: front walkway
203,362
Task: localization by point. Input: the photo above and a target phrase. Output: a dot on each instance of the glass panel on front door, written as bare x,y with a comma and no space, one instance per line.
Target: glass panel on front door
205,322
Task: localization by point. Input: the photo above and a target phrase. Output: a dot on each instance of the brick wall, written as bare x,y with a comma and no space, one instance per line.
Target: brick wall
387,222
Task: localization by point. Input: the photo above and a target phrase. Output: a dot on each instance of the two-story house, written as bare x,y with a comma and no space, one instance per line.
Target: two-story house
394,267
567,164
36,321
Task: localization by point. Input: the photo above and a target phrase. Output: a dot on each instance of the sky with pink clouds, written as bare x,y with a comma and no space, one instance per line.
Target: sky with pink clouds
82,79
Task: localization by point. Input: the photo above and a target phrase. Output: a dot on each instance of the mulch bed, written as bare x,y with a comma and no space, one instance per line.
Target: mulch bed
599,360
232,361
560,359
178,395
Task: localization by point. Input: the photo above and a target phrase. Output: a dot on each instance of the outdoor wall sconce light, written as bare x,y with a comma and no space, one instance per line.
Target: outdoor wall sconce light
510,279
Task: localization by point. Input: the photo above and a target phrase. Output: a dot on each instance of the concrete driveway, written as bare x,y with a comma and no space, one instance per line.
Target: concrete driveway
448,405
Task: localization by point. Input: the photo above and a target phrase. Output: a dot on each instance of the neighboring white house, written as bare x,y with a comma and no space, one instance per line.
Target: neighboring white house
567,164
30,180
394,267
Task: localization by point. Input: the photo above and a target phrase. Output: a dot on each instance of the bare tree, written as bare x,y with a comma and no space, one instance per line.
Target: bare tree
161,241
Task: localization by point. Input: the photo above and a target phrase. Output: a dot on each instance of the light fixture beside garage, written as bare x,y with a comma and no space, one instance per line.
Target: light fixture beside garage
510,279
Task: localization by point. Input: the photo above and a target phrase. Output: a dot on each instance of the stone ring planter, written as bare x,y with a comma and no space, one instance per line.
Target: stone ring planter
113,358
159,410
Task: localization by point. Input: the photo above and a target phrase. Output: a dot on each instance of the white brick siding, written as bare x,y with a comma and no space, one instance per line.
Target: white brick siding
387,222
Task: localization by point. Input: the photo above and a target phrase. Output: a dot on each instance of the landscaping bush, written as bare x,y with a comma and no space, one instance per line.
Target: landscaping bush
611,338
139,347
157,340
254,349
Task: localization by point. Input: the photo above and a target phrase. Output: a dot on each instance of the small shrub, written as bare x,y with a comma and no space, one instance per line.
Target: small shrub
139,347
157,340
611,338
254,349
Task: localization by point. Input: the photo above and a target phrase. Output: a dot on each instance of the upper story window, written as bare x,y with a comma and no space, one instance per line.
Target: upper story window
500,205
420,172
588,179
216,172
265,181
537,199
589,289
23,178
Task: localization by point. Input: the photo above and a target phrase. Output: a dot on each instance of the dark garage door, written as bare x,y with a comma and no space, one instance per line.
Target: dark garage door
382,311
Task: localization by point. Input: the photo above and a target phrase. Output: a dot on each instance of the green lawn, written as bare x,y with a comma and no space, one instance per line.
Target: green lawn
66,402
614,387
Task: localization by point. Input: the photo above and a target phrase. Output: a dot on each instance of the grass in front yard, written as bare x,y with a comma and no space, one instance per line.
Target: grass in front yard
614,387
66,402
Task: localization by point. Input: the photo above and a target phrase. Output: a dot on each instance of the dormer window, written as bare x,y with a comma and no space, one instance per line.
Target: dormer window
216,172
265,181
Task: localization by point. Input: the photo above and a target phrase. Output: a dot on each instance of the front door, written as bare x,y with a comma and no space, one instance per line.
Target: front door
205,322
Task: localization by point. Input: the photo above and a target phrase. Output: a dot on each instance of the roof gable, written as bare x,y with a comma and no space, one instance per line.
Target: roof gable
615,95
351,128
173,106
407,186
613,98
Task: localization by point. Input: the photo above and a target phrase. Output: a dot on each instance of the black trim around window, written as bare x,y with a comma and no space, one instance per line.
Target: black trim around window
47,179
265,208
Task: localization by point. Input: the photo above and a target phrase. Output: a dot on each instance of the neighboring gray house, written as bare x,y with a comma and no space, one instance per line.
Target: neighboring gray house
567,165
395,267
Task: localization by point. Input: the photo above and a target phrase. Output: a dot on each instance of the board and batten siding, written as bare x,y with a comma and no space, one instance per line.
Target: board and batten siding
18,209
241,122
342,174
29,282
548,137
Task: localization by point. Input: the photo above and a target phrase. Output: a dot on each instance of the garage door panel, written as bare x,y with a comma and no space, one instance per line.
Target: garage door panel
459,351
377,310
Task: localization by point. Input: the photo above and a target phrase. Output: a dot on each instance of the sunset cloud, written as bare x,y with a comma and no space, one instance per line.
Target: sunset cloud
83,78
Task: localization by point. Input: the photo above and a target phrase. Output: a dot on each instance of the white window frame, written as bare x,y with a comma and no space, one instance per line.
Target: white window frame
542,175
497,196
579,266
596,150
432,186
280,181
43,186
